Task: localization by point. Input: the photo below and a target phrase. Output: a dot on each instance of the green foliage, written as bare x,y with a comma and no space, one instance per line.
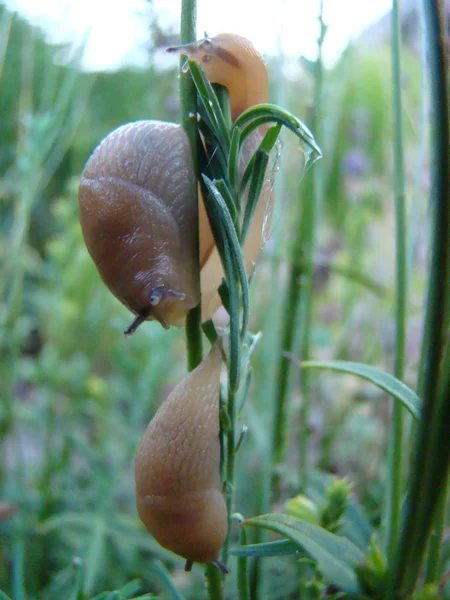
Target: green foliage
335,504
336,556
76,396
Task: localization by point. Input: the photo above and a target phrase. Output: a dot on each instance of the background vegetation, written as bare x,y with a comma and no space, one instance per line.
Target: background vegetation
76,395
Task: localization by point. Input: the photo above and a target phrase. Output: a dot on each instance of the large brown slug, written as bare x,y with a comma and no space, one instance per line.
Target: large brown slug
138,193
178,489
137,211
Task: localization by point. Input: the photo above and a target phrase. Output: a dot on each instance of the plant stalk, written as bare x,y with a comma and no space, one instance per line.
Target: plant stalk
393,516
431,452
433,561
299,287
308,235
188,102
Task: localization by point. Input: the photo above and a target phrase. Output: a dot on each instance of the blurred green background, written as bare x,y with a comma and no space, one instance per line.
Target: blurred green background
76,395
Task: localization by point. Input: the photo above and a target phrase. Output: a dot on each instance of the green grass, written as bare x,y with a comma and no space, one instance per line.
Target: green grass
330,288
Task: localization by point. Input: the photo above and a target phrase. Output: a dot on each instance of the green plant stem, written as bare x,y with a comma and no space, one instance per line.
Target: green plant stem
432,574
229,492
299,287
432,568
308,235
214,582
242,574
188,101
394,500
431,452
289,315
194,338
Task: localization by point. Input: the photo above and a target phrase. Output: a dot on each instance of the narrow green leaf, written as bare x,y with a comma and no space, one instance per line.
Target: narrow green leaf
267,113
131,588
163,575
233,158
211,104
230,200
267,549
386,382
336,556
267,144
210,331
3,596
215,163
76,593
226,222
235,346
224,295
95,557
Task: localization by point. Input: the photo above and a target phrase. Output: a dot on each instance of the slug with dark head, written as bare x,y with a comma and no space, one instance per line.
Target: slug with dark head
178,489
137,210
138,200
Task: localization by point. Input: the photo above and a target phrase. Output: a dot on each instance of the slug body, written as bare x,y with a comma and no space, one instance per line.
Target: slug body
138,211
178,489
138,207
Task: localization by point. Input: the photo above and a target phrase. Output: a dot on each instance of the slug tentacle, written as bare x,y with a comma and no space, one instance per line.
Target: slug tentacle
178,489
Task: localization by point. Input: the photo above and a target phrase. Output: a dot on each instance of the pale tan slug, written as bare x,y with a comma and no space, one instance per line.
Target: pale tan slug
178,489
138,199
232,61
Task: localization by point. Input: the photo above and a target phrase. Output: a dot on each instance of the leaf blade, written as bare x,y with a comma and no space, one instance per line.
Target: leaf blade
386,382
336,556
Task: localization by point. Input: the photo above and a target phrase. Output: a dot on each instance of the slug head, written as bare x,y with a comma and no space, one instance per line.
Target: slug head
232,61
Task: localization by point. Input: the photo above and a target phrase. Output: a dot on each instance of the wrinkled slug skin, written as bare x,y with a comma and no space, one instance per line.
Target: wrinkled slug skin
178,489
138,215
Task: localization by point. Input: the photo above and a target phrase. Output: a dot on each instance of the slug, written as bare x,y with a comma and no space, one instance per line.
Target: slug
138,199
232,61
178,489
138,216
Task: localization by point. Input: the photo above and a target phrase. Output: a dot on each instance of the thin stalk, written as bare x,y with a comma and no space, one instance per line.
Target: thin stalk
258,576
299,285
231,408
18,576
432,573
214,582
431,452
422,118
433,561
289,315
188,102
308,235
242,568
394,501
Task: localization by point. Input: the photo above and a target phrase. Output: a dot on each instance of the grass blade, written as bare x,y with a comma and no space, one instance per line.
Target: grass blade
211,105
336,556
268,113
385,381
